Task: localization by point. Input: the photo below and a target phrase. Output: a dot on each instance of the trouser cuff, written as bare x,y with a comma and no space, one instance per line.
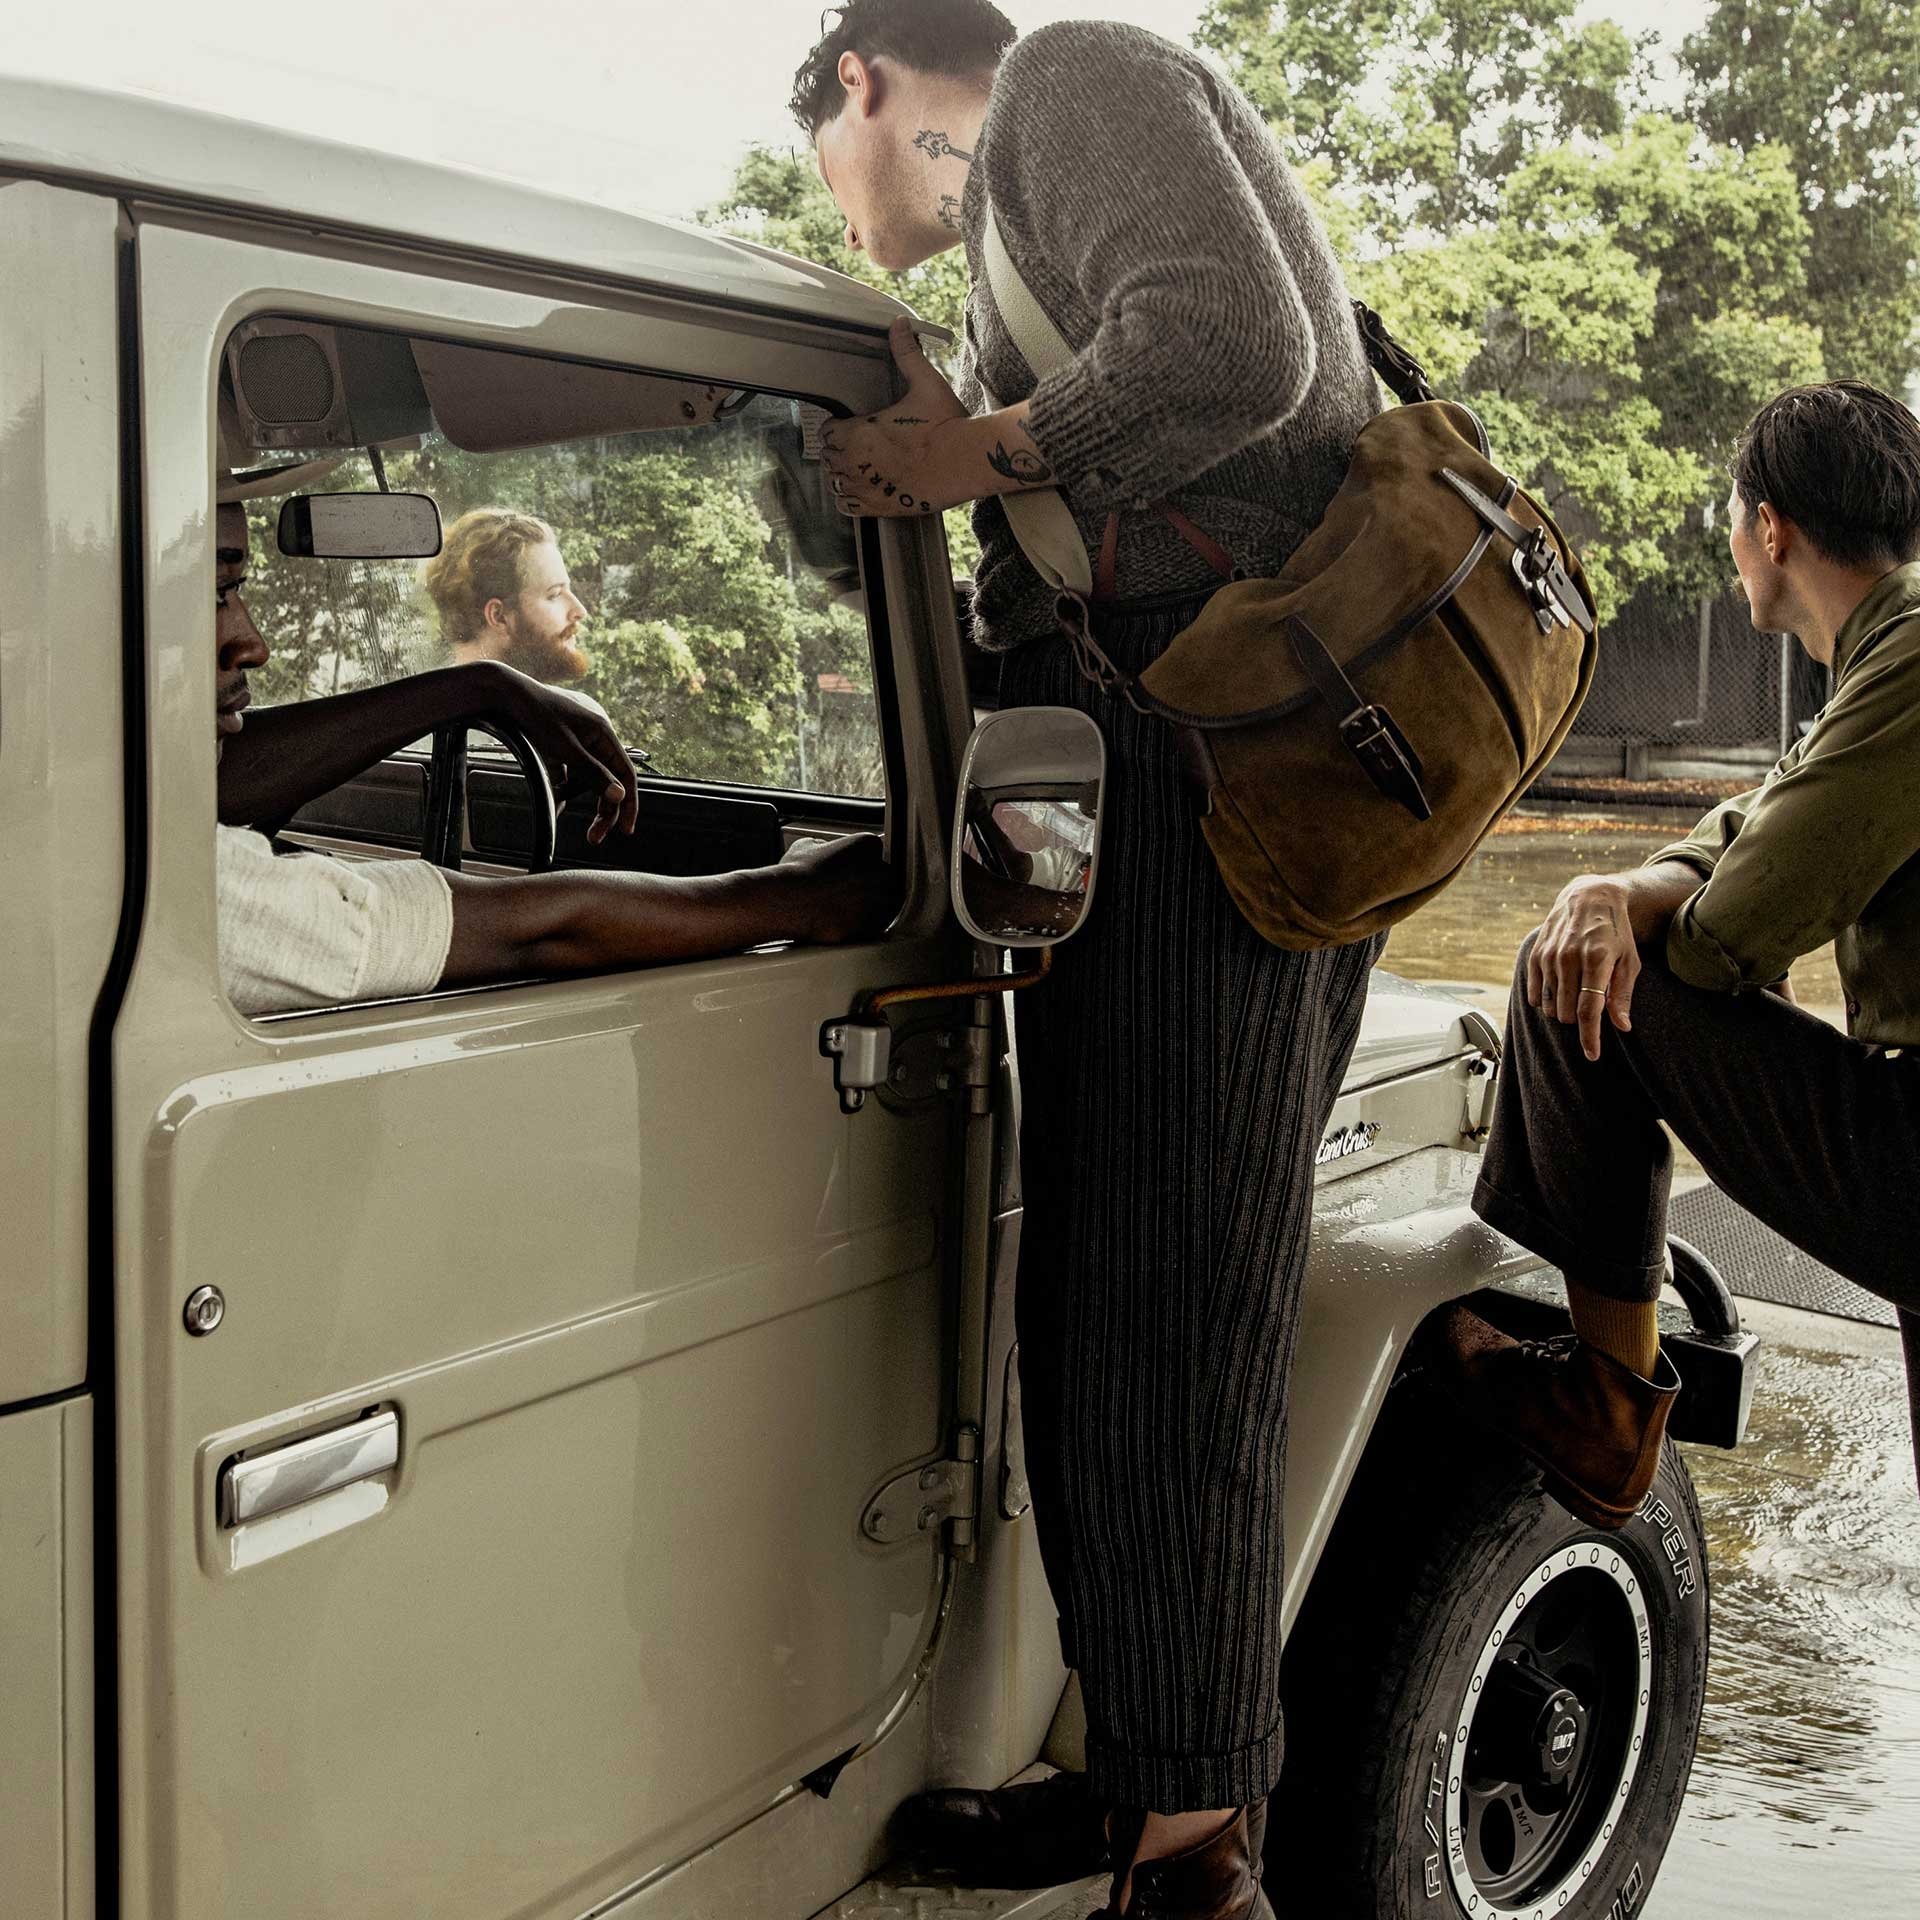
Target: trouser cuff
1618,1279
1183,1782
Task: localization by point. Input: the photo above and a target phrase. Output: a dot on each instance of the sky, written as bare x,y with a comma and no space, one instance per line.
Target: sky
647,104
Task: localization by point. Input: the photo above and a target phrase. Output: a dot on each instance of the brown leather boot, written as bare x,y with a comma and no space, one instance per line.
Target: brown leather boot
1042,1833
1591,1426
1217,1880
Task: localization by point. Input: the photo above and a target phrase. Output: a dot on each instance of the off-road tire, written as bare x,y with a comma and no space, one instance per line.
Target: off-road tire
1449,1555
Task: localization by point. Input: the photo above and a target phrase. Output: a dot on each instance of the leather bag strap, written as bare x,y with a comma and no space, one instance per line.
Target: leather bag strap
1385,754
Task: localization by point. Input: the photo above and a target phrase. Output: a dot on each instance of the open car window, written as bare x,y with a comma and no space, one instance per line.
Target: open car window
706,594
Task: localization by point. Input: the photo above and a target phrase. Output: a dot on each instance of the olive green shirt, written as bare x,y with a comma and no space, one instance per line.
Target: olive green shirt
1828,847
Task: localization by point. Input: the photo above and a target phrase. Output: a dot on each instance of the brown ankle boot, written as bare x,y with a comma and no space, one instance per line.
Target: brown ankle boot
1217,1880
1591,1426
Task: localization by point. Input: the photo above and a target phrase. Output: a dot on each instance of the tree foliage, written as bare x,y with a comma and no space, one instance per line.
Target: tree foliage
1836,84
1613,288
714,647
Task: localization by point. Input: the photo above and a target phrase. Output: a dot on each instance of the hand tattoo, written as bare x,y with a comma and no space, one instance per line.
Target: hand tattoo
950,212
1027,468
936,146
907,419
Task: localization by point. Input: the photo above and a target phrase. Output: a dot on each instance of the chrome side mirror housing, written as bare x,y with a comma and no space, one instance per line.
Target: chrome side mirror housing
1026,828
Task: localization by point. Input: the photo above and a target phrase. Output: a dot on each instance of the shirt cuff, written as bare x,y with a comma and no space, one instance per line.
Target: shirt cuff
1081,440
1696,958
1689,853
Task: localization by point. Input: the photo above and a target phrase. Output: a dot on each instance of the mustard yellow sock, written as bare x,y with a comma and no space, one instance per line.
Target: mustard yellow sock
1625,1330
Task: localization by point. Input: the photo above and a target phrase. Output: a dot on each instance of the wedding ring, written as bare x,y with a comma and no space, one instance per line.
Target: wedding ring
1601,991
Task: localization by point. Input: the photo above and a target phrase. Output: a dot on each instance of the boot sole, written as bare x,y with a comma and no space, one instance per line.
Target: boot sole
1578,1502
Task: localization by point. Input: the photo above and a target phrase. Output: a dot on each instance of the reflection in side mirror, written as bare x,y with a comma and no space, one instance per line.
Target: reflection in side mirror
360,526
1026,831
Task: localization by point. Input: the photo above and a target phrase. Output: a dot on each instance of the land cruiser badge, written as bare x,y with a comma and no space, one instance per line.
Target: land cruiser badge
1344,1142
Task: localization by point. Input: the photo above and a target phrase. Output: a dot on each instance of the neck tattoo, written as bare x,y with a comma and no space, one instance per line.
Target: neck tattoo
937,146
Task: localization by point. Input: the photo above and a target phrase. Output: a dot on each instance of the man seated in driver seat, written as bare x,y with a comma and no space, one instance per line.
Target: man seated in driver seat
502,592
306,930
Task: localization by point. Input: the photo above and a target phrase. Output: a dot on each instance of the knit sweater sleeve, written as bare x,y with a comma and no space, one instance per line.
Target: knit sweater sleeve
1112,148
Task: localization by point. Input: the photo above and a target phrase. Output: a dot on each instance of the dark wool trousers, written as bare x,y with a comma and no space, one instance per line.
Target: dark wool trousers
1814,1133
1176,1077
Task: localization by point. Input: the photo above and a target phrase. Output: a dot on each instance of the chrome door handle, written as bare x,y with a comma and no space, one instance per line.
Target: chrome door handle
284,1476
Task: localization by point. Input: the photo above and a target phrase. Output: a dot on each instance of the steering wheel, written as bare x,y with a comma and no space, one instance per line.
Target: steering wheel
446,830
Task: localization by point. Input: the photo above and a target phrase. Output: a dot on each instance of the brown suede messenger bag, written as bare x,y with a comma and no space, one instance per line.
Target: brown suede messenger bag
1356,726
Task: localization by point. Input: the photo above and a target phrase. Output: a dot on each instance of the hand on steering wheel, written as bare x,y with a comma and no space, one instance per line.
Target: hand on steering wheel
578,745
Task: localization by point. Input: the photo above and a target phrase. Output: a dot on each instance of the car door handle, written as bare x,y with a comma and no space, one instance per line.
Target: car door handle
284,1476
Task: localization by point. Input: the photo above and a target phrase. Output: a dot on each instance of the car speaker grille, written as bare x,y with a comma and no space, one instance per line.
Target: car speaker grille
1759,1265
286,379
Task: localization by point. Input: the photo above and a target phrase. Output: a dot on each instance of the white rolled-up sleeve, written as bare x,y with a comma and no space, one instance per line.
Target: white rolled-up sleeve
303,930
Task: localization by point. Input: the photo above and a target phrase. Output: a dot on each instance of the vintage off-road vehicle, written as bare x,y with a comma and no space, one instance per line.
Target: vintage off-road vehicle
555,1450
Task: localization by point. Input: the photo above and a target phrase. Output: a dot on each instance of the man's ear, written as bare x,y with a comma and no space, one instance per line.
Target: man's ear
1776,533
494,614
862,82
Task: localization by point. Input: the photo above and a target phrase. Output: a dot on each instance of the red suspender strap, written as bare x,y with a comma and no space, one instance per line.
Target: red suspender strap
1209,549
1107,562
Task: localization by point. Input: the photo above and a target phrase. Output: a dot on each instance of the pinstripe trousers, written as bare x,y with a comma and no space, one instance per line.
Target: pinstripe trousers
1176,1074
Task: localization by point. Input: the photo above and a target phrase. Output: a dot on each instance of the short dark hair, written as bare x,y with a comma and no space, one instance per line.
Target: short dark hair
1841,460
957,37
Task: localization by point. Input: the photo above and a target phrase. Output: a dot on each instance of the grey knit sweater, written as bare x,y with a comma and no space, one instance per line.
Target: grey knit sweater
1217,362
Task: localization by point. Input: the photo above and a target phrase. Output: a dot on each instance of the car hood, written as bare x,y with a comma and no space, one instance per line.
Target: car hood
1406,1027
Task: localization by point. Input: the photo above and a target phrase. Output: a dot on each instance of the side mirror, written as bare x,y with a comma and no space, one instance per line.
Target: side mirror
360,526
1026,830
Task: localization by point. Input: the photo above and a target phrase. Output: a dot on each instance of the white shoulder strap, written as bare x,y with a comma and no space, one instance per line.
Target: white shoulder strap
1041,520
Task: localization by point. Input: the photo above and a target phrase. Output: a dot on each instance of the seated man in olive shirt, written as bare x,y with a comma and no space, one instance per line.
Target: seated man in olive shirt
1662,994
304,930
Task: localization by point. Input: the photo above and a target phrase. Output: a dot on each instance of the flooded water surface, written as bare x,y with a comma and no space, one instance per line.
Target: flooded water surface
1472,931
1805,1796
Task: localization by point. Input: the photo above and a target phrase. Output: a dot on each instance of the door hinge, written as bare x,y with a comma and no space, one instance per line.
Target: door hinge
1483,1075
941,1494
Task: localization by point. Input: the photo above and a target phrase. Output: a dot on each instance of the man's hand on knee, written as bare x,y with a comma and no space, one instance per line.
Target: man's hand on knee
1585,959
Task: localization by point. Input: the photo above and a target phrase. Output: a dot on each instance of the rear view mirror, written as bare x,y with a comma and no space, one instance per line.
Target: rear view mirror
1026,831
360,526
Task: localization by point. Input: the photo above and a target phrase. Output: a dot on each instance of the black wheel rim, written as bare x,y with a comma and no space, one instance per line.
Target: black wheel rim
1550,1735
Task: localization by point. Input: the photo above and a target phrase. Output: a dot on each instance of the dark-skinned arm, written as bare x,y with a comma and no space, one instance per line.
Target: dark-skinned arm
286,756
559,923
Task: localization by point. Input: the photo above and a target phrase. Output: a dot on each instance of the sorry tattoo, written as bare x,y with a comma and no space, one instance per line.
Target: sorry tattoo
1028,468
907,419
936,146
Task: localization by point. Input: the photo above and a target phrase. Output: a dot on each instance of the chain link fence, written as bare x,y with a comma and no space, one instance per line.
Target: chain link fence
1673,677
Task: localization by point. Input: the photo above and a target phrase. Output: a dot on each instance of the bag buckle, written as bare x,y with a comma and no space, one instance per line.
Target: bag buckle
1536,565
1386,758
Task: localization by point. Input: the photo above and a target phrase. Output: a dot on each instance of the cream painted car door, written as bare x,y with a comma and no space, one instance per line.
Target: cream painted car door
651,1317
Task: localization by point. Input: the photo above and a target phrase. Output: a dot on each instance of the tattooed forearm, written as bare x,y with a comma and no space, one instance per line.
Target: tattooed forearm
1027,468
950,212
936,146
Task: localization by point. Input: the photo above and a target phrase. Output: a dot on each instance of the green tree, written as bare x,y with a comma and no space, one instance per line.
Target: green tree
1611,290
1429,105
1837,84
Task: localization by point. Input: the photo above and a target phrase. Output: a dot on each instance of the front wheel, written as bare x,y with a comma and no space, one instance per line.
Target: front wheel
1491,1707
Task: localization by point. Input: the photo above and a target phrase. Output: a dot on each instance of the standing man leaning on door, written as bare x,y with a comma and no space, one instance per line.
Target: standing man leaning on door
1178,1070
